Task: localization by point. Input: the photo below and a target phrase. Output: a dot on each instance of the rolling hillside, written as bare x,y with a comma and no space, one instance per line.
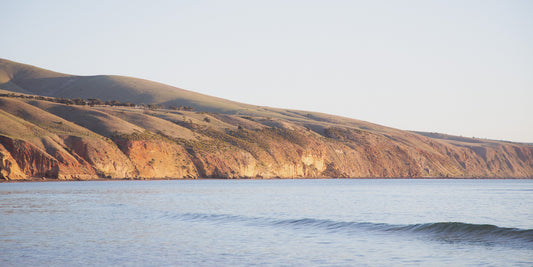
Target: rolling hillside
28,79
42,137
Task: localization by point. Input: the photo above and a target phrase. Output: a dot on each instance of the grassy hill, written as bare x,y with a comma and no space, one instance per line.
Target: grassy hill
54,137
29,79
22,78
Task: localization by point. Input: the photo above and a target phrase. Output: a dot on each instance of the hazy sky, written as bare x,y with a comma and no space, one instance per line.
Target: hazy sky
458,67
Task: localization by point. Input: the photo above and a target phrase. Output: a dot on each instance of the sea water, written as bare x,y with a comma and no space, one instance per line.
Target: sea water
338,222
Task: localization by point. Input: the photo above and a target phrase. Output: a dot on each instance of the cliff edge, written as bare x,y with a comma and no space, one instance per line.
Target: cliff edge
66,127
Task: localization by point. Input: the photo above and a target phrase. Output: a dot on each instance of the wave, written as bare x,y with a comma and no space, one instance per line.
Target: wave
486,234
469,230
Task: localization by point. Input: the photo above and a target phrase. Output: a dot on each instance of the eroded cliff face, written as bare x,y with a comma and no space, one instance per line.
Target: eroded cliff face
31,160
74,139
158,159
9,169
231,146
274,156
284,153
103,156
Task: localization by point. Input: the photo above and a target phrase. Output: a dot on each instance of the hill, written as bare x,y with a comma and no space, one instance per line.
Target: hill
22,78
52,138
27,79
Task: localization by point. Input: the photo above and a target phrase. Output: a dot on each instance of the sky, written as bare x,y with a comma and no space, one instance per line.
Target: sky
457,67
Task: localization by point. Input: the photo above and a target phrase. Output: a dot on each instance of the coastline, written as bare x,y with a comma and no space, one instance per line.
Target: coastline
46,180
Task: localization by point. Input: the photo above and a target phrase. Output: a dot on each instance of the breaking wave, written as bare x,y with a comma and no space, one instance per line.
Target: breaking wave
443,231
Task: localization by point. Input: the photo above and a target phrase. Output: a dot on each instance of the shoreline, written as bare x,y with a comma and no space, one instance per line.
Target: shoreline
46,180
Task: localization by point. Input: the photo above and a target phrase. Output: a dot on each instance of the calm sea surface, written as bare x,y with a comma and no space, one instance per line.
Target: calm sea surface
267,222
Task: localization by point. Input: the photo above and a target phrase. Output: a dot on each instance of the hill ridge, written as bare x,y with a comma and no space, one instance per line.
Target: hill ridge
30,79
55,138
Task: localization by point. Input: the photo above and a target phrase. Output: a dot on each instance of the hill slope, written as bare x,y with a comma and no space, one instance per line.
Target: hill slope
22,78
42,138
28,79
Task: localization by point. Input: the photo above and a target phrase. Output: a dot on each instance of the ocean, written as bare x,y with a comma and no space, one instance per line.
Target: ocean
330,222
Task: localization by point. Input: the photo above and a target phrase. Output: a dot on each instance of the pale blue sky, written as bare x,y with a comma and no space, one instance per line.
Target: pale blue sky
457,67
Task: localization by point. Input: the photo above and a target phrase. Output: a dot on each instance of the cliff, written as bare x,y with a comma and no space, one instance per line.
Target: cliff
42,139
49,128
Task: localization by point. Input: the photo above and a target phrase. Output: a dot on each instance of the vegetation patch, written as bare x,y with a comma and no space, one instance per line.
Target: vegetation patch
140,136
344,134
95,102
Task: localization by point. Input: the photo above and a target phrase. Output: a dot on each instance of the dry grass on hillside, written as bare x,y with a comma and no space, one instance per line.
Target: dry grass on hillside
30,79
90,118
149,122
32,118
